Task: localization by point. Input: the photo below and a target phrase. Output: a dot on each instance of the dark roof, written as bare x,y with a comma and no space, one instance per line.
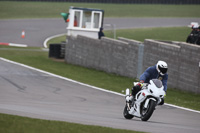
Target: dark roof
87,9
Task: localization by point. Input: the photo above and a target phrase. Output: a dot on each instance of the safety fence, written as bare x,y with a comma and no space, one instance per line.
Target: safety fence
123,1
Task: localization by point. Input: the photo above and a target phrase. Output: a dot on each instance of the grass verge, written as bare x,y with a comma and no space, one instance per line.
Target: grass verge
165,33
57,40
17,124
11,9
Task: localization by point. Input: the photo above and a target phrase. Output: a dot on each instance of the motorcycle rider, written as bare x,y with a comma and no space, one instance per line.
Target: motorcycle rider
159,71
194,35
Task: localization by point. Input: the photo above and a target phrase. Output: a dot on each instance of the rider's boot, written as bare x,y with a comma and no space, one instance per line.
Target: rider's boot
129,98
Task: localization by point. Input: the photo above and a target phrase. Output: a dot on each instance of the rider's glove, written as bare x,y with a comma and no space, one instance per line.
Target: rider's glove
140,83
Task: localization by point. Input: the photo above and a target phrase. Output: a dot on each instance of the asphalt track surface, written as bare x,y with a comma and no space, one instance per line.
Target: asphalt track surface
29,92
37,30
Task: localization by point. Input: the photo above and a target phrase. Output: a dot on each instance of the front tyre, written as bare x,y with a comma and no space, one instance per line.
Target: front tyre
147,112
126,114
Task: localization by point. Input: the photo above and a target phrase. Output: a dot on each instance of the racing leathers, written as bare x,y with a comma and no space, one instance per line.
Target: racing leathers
152,73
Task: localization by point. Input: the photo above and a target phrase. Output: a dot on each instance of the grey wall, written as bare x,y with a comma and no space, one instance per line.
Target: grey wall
189,71
155,51
130,58
113,56
183,61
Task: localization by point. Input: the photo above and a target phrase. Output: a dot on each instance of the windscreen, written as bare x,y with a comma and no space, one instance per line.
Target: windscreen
157,82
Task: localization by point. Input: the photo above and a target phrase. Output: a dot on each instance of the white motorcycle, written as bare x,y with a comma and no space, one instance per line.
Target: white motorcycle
145,101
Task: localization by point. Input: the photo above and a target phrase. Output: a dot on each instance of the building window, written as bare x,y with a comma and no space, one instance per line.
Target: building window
96,20
86,21
77,16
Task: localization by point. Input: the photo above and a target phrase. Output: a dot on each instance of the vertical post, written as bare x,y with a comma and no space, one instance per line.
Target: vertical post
114,30
199,76
140,60
199,67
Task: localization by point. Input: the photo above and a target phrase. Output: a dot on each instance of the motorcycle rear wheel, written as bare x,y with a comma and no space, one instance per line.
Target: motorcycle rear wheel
126,114
147,112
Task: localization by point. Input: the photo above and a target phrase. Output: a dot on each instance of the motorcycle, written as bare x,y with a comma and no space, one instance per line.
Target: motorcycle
145,101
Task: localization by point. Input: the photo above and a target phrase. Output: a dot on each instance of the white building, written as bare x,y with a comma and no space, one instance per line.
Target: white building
85,21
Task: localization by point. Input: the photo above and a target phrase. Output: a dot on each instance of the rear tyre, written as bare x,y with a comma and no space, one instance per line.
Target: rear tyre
147,112
126,114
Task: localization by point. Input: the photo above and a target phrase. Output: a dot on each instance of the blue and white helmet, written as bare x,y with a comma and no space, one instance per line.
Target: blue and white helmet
161,67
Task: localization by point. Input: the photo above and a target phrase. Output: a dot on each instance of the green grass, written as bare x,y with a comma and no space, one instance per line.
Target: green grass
57,40
17,124
183,98
166,33
10,10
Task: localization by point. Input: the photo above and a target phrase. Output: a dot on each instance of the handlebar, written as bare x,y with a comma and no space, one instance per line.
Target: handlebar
135,83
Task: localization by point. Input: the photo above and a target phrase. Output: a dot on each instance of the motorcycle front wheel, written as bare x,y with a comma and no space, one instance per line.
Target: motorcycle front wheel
126,114
147,112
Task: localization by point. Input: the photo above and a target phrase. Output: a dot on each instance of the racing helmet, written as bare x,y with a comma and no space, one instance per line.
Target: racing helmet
161,67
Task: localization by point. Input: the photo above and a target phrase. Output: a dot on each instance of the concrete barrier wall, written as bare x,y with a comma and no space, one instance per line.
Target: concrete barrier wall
155,51
113,56
183,61
189,69
130,58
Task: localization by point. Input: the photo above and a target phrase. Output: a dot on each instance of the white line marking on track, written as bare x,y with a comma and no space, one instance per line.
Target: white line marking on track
97,88
46,40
